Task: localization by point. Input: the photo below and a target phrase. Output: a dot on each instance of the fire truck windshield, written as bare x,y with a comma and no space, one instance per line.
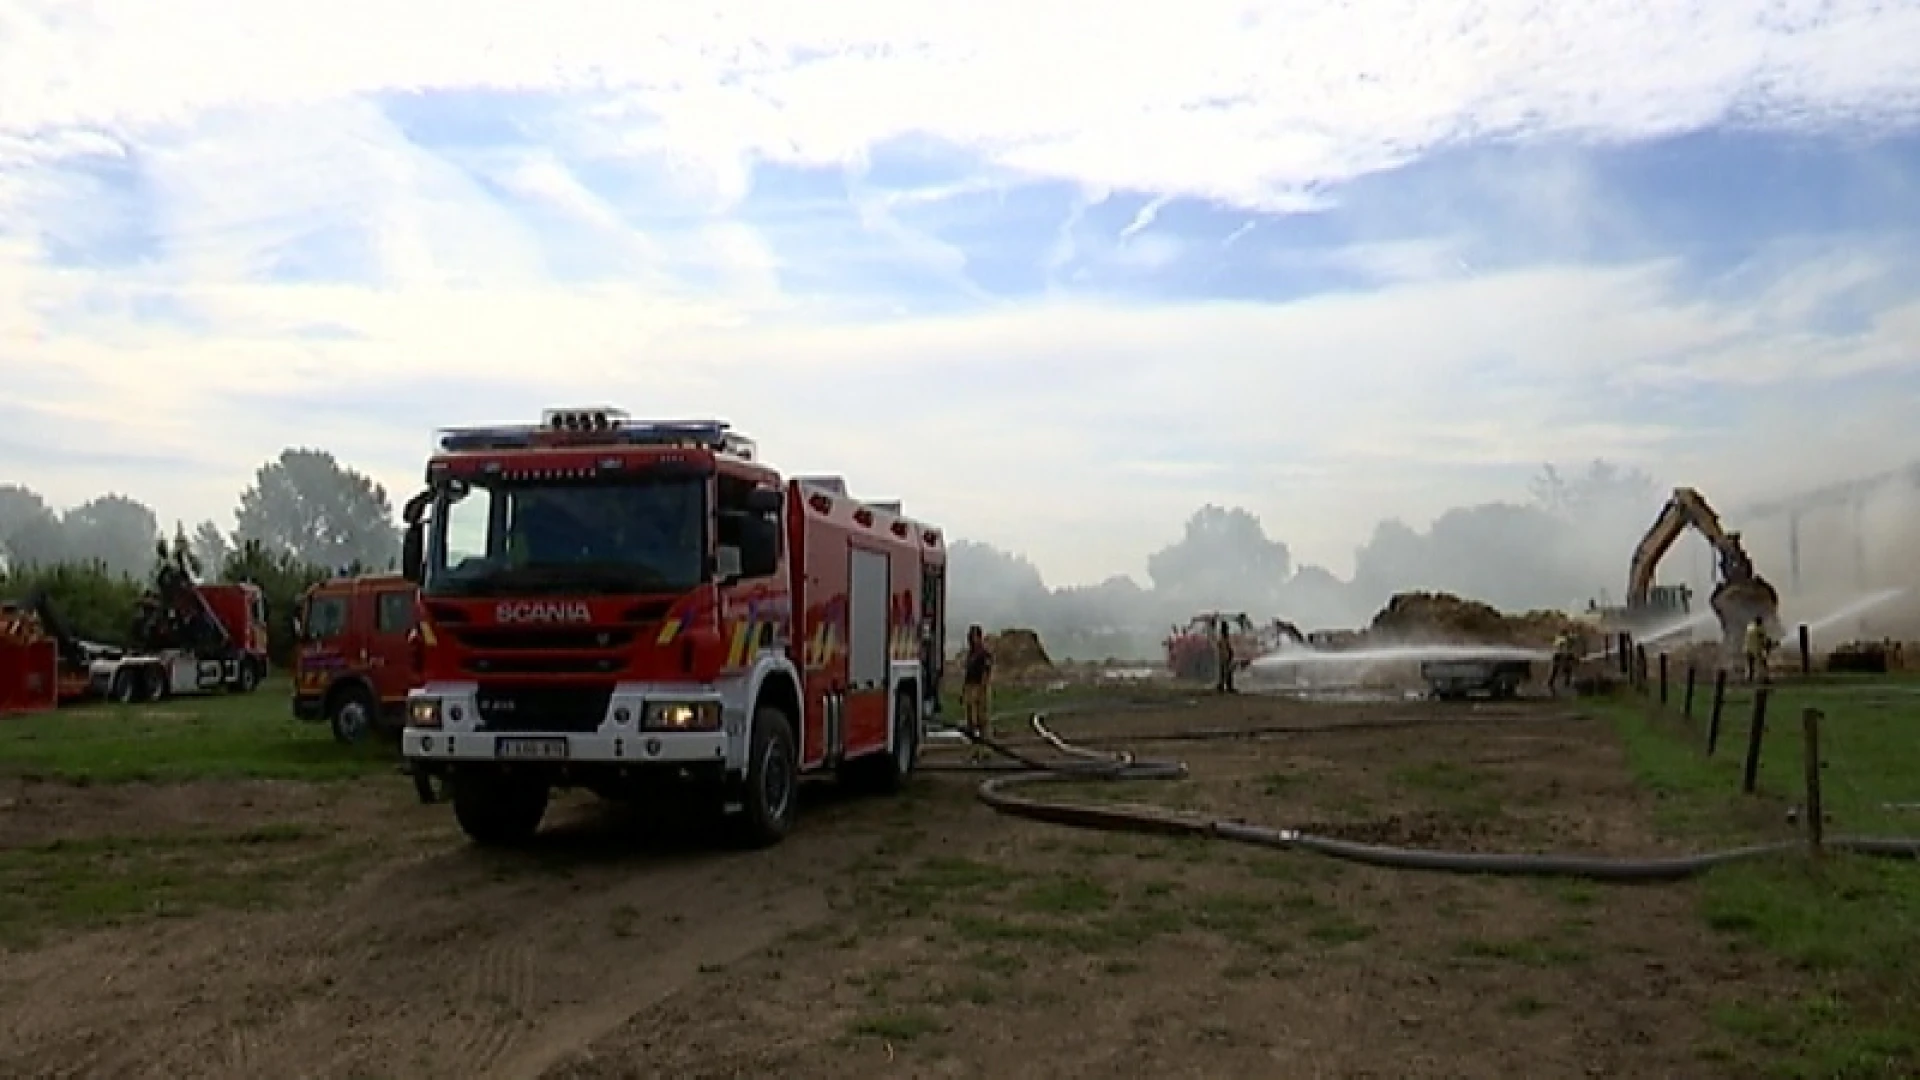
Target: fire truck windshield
501,537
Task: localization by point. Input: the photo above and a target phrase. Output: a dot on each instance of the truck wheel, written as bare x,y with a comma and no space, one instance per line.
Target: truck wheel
887,774
350,714
772,790
153,685
249,679
498,811
124,687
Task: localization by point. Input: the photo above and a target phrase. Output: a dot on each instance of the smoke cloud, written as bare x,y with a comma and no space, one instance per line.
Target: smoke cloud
1566,542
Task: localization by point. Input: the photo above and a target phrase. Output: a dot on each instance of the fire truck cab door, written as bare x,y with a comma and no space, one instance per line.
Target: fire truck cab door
388,663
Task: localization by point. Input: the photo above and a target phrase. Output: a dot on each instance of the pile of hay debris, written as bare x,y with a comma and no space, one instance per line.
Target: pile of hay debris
1018,657
1018,652
1433,618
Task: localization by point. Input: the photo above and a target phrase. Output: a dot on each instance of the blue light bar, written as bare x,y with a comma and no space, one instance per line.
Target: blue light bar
500,438
711,434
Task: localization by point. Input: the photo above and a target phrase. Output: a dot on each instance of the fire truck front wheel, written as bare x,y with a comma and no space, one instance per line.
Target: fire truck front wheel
771,792
496,810
350,712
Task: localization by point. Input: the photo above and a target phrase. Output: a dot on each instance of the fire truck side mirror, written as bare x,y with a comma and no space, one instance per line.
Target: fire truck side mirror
412,557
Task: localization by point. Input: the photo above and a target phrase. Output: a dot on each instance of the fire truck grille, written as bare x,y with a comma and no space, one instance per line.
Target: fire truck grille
544,665
575,709
514,638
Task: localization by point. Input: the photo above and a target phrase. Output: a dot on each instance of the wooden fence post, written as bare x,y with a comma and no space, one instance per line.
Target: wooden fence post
1816,817
1719,701
1806,652
1663,680
1686,709
1756,730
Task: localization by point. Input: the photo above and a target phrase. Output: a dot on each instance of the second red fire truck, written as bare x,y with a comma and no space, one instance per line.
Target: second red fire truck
624,606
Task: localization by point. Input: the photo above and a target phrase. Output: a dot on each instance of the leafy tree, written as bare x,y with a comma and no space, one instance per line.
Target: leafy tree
112,529
1224,560
30,532
308,506
210,547
95,605
177,552
282,578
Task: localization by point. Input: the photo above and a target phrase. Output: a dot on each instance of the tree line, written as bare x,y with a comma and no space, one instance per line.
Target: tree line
1567,542
304,518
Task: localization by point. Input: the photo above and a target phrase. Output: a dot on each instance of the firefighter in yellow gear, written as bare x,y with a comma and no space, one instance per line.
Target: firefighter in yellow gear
1564,659
1223,660
1758,647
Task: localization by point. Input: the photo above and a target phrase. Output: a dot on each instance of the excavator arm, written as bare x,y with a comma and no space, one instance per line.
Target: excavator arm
1685,509
1741,594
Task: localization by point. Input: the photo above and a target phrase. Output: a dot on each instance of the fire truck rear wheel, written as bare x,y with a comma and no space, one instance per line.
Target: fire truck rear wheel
887,773
153,684
771,793
499,811
249,679
124,686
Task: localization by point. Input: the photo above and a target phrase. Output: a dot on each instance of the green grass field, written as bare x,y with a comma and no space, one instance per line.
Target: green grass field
229,736
215,736
1850,925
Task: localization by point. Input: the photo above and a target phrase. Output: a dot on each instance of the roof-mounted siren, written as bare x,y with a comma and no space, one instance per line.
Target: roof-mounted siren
591,418
836,485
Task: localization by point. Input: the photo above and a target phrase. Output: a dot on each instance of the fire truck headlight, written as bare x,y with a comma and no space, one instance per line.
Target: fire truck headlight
683,716
423,713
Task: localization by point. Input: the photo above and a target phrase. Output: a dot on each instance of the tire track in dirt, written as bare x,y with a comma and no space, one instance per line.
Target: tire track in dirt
569,1036
448,962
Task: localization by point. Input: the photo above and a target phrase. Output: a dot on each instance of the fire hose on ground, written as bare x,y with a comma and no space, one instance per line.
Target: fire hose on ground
1083,765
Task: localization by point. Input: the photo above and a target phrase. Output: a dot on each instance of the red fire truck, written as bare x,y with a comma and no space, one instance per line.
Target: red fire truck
355,660
636,607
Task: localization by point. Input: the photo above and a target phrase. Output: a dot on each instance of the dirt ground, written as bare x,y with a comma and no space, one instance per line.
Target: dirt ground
343,931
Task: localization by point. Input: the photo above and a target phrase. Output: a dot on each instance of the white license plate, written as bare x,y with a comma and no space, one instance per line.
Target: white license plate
534,749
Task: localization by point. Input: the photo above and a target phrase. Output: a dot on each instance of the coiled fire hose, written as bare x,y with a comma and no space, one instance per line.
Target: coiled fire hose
1083,765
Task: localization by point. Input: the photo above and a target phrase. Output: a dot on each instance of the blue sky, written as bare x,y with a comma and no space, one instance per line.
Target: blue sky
1053,284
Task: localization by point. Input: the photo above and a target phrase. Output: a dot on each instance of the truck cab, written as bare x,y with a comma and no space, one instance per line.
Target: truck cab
354,658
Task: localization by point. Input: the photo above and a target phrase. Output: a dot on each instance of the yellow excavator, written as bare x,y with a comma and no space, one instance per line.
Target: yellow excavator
1741,594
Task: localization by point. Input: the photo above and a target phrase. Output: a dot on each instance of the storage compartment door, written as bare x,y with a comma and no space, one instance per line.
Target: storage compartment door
869,584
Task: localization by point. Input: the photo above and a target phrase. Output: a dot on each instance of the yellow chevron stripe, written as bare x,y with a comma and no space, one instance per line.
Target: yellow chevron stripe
668,632
817,646
737,654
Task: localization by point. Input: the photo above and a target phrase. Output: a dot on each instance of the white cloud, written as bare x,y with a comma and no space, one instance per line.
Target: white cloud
1106,422
1323,416
1210,97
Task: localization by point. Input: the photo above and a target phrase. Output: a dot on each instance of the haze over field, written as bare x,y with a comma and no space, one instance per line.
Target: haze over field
1053,282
